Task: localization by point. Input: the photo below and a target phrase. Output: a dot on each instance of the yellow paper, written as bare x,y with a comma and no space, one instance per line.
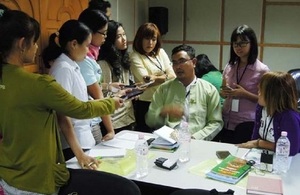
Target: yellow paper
120,166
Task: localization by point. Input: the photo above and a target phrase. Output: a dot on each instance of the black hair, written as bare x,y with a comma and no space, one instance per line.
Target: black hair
111,54
69,31
3,8
94,19
99,5
203,65
245,33
188,49
14,25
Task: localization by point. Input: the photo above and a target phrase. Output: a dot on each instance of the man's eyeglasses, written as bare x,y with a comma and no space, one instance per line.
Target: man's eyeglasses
180,61
240,44
102,33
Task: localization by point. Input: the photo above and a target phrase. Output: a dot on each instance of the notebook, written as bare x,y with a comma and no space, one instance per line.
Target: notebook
231,170
264,184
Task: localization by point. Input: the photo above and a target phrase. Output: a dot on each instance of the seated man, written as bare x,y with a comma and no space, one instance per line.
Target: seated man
186,98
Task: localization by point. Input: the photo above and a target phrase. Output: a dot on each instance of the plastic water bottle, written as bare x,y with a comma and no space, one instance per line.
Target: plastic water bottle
184,138
141,149
281,160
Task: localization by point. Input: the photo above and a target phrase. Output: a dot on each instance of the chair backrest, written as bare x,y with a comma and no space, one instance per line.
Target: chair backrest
295,73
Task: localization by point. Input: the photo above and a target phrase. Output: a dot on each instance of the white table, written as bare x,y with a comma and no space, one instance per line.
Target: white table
201,151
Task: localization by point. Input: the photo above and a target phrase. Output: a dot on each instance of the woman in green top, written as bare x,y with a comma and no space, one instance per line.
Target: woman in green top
31,160
205,70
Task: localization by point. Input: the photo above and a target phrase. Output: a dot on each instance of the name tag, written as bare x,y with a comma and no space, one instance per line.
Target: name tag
235,105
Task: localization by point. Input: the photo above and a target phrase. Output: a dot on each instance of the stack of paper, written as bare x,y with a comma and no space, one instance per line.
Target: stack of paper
164,141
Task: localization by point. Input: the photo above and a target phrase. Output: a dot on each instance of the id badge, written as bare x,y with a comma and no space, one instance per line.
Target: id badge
235,105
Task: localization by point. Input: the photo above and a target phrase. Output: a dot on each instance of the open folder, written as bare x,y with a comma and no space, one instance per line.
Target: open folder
165,133
165,140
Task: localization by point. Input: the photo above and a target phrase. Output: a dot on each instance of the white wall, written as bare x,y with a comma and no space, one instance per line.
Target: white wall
200,25
281,40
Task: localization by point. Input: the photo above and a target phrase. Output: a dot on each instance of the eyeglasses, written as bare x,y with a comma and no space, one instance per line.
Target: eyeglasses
180,61
240,44
102,33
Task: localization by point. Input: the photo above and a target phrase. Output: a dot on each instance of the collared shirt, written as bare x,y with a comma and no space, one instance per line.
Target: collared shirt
187,100
67,73
142,66
249,82
205,119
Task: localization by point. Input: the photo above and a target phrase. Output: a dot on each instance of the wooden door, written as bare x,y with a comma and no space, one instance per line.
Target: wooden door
54,13
51,14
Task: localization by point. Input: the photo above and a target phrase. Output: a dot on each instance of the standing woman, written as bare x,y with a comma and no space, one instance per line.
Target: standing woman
240,86
96,21
149,62
114,62
73,38
31,160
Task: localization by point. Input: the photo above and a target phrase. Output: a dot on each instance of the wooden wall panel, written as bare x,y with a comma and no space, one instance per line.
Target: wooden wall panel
31,7
51,14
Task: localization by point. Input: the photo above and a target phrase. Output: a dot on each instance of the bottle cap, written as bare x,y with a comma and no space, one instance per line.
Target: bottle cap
141,136
184,124
283,133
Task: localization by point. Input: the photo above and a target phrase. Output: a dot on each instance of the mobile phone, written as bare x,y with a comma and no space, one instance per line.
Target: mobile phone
133,93
146,84
222,154
130,86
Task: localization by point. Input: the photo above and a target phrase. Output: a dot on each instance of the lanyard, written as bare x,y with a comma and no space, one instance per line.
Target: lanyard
238,80
189,91
187,94
266,128
159,66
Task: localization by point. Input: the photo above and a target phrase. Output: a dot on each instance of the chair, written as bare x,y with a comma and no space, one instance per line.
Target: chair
243,132
295,73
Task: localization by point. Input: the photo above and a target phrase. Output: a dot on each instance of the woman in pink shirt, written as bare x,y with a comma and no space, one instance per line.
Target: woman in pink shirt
240,86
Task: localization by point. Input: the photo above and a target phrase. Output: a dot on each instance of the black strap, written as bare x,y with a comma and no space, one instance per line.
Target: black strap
238,80
266,128
159,66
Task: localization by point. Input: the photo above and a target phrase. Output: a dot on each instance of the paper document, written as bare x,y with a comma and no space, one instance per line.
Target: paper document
132,136
119,143
107,153
165,132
